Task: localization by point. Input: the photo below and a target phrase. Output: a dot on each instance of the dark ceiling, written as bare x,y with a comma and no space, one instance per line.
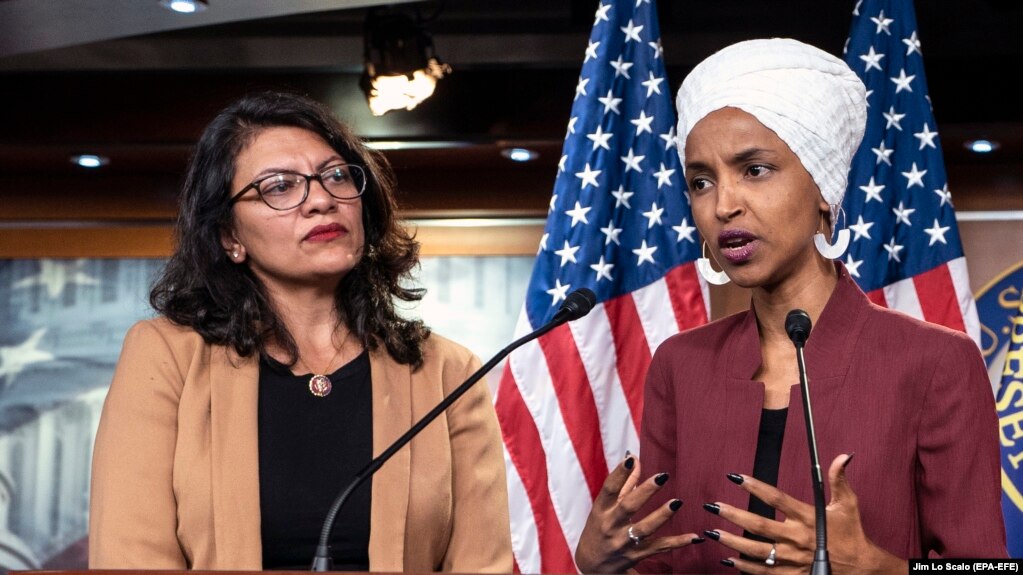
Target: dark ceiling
145,81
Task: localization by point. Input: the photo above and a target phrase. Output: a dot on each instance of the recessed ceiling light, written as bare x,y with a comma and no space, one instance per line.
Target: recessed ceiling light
90,160
982,146
519,154
184,6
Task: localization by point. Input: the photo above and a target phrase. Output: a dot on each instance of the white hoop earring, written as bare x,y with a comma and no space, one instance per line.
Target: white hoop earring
835,250
713,277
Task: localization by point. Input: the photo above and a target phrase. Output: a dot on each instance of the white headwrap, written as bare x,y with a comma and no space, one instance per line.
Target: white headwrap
809,98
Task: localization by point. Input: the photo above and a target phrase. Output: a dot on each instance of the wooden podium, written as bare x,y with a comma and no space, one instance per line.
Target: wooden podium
176,572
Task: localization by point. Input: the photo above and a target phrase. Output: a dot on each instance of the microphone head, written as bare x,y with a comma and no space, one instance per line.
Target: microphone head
577,304
798,325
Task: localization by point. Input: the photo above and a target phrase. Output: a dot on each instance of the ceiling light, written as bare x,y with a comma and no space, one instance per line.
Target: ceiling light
401,67
982,146
184,6
519,154
90,160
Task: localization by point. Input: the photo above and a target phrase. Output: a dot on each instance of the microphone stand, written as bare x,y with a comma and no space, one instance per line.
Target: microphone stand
797,325
576,305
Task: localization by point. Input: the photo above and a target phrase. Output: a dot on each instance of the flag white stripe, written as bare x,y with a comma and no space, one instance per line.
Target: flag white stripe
525,539
902,296
522,327
592,335
655,312
967,305
569,496
705,290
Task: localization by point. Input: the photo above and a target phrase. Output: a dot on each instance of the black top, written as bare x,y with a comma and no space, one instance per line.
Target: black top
767,461
309,450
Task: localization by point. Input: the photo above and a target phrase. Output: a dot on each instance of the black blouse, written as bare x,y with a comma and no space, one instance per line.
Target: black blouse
309,449
766,462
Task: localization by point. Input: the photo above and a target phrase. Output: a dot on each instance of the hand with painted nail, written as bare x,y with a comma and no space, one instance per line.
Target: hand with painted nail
612,541
849,548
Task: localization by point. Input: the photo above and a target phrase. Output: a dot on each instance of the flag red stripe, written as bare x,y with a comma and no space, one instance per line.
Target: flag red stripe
522,441
938,300
877,296
686,296
576,403
631,350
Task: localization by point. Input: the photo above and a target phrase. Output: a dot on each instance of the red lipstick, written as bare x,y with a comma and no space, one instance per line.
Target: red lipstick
325,233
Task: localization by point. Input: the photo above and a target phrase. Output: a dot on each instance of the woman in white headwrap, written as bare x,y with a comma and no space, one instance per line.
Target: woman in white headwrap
767,130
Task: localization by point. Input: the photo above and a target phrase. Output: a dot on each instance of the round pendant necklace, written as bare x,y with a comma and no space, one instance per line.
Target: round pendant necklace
320,386
319,383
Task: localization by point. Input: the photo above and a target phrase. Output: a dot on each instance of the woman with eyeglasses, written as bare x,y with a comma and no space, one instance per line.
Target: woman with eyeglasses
279,367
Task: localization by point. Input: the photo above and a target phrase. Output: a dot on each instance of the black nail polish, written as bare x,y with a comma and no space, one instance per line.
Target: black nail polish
713,508
728,563
629,462
628,453
696,540
712,534
675,505
661,479
848,460
735,478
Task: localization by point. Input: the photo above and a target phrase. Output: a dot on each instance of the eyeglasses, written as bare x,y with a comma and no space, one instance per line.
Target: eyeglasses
286,190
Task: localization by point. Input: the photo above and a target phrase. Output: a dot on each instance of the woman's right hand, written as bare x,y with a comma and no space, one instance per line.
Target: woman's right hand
606,544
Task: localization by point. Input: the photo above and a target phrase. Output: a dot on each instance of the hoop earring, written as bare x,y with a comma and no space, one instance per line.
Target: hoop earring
713,277
835,250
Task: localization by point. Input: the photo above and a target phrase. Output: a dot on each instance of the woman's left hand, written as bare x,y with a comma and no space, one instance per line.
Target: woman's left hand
849,549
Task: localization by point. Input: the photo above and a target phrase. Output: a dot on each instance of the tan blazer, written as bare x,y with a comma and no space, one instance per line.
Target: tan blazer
175,477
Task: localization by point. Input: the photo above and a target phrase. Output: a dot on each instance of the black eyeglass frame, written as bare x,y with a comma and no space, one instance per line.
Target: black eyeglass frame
308,183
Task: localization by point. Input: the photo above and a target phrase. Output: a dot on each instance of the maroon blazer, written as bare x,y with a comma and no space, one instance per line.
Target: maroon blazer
912,400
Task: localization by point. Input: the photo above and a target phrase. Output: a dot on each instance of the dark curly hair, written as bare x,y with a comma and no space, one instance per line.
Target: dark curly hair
224,302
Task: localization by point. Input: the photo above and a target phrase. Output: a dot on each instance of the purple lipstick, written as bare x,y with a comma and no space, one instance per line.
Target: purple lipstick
737,246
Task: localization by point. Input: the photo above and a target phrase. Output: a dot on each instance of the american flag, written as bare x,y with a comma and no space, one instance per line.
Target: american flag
619,224
905,251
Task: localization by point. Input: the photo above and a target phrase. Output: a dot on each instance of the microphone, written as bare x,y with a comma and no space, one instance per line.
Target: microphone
797,326
576,305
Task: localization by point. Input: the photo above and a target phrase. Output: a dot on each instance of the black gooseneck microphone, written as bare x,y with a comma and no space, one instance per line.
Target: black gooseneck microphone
797,325
576,305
